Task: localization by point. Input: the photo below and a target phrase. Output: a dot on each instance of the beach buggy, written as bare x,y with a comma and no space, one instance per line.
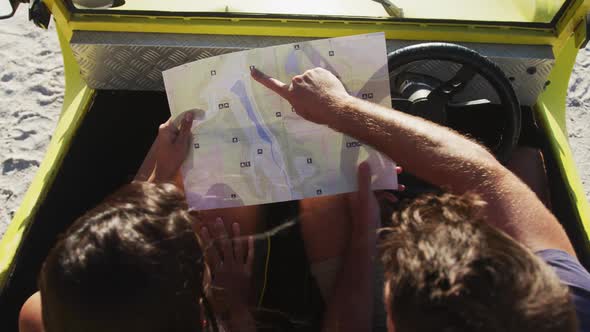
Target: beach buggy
497,71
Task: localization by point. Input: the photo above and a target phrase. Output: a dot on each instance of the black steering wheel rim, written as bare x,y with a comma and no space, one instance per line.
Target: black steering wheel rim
482,66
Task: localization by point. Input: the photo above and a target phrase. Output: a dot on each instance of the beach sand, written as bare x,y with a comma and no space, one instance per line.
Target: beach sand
578,116
31,94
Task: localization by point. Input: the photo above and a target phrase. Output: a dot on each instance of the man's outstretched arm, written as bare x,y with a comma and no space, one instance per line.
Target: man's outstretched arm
431,152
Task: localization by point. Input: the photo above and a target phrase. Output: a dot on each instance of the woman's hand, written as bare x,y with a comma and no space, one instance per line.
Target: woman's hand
230,260
168,151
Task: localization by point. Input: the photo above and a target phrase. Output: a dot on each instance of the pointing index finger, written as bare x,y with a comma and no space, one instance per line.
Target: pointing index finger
275,85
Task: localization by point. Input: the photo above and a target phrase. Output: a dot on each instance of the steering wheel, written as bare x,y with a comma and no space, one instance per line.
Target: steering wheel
428,97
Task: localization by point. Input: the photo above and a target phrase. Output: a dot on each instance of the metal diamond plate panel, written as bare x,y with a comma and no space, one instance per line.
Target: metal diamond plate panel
135,61
133,67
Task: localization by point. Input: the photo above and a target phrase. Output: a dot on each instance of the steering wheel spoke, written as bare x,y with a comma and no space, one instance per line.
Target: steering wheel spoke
401,103
446,91
477,102
477,119
473,110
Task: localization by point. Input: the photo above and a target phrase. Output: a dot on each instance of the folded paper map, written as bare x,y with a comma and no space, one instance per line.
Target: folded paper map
249,146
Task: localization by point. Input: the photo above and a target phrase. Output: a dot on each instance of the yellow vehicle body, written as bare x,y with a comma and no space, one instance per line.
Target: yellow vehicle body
565,38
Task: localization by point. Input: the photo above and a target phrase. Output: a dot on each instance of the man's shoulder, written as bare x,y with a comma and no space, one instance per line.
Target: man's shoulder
576,277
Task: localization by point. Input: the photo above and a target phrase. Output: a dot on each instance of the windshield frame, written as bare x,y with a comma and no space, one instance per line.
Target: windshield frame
151,13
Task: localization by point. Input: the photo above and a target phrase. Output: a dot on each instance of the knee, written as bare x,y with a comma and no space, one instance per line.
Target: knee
30,317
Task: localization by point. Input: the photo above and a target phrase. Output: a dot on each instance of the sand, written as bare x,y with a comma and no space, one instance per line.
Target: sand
31,95
578,116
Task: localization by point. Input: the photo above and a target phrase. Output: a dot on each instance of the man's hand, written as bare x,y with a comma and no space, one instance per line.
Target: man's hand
364,210
314,95
168,151
353,288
